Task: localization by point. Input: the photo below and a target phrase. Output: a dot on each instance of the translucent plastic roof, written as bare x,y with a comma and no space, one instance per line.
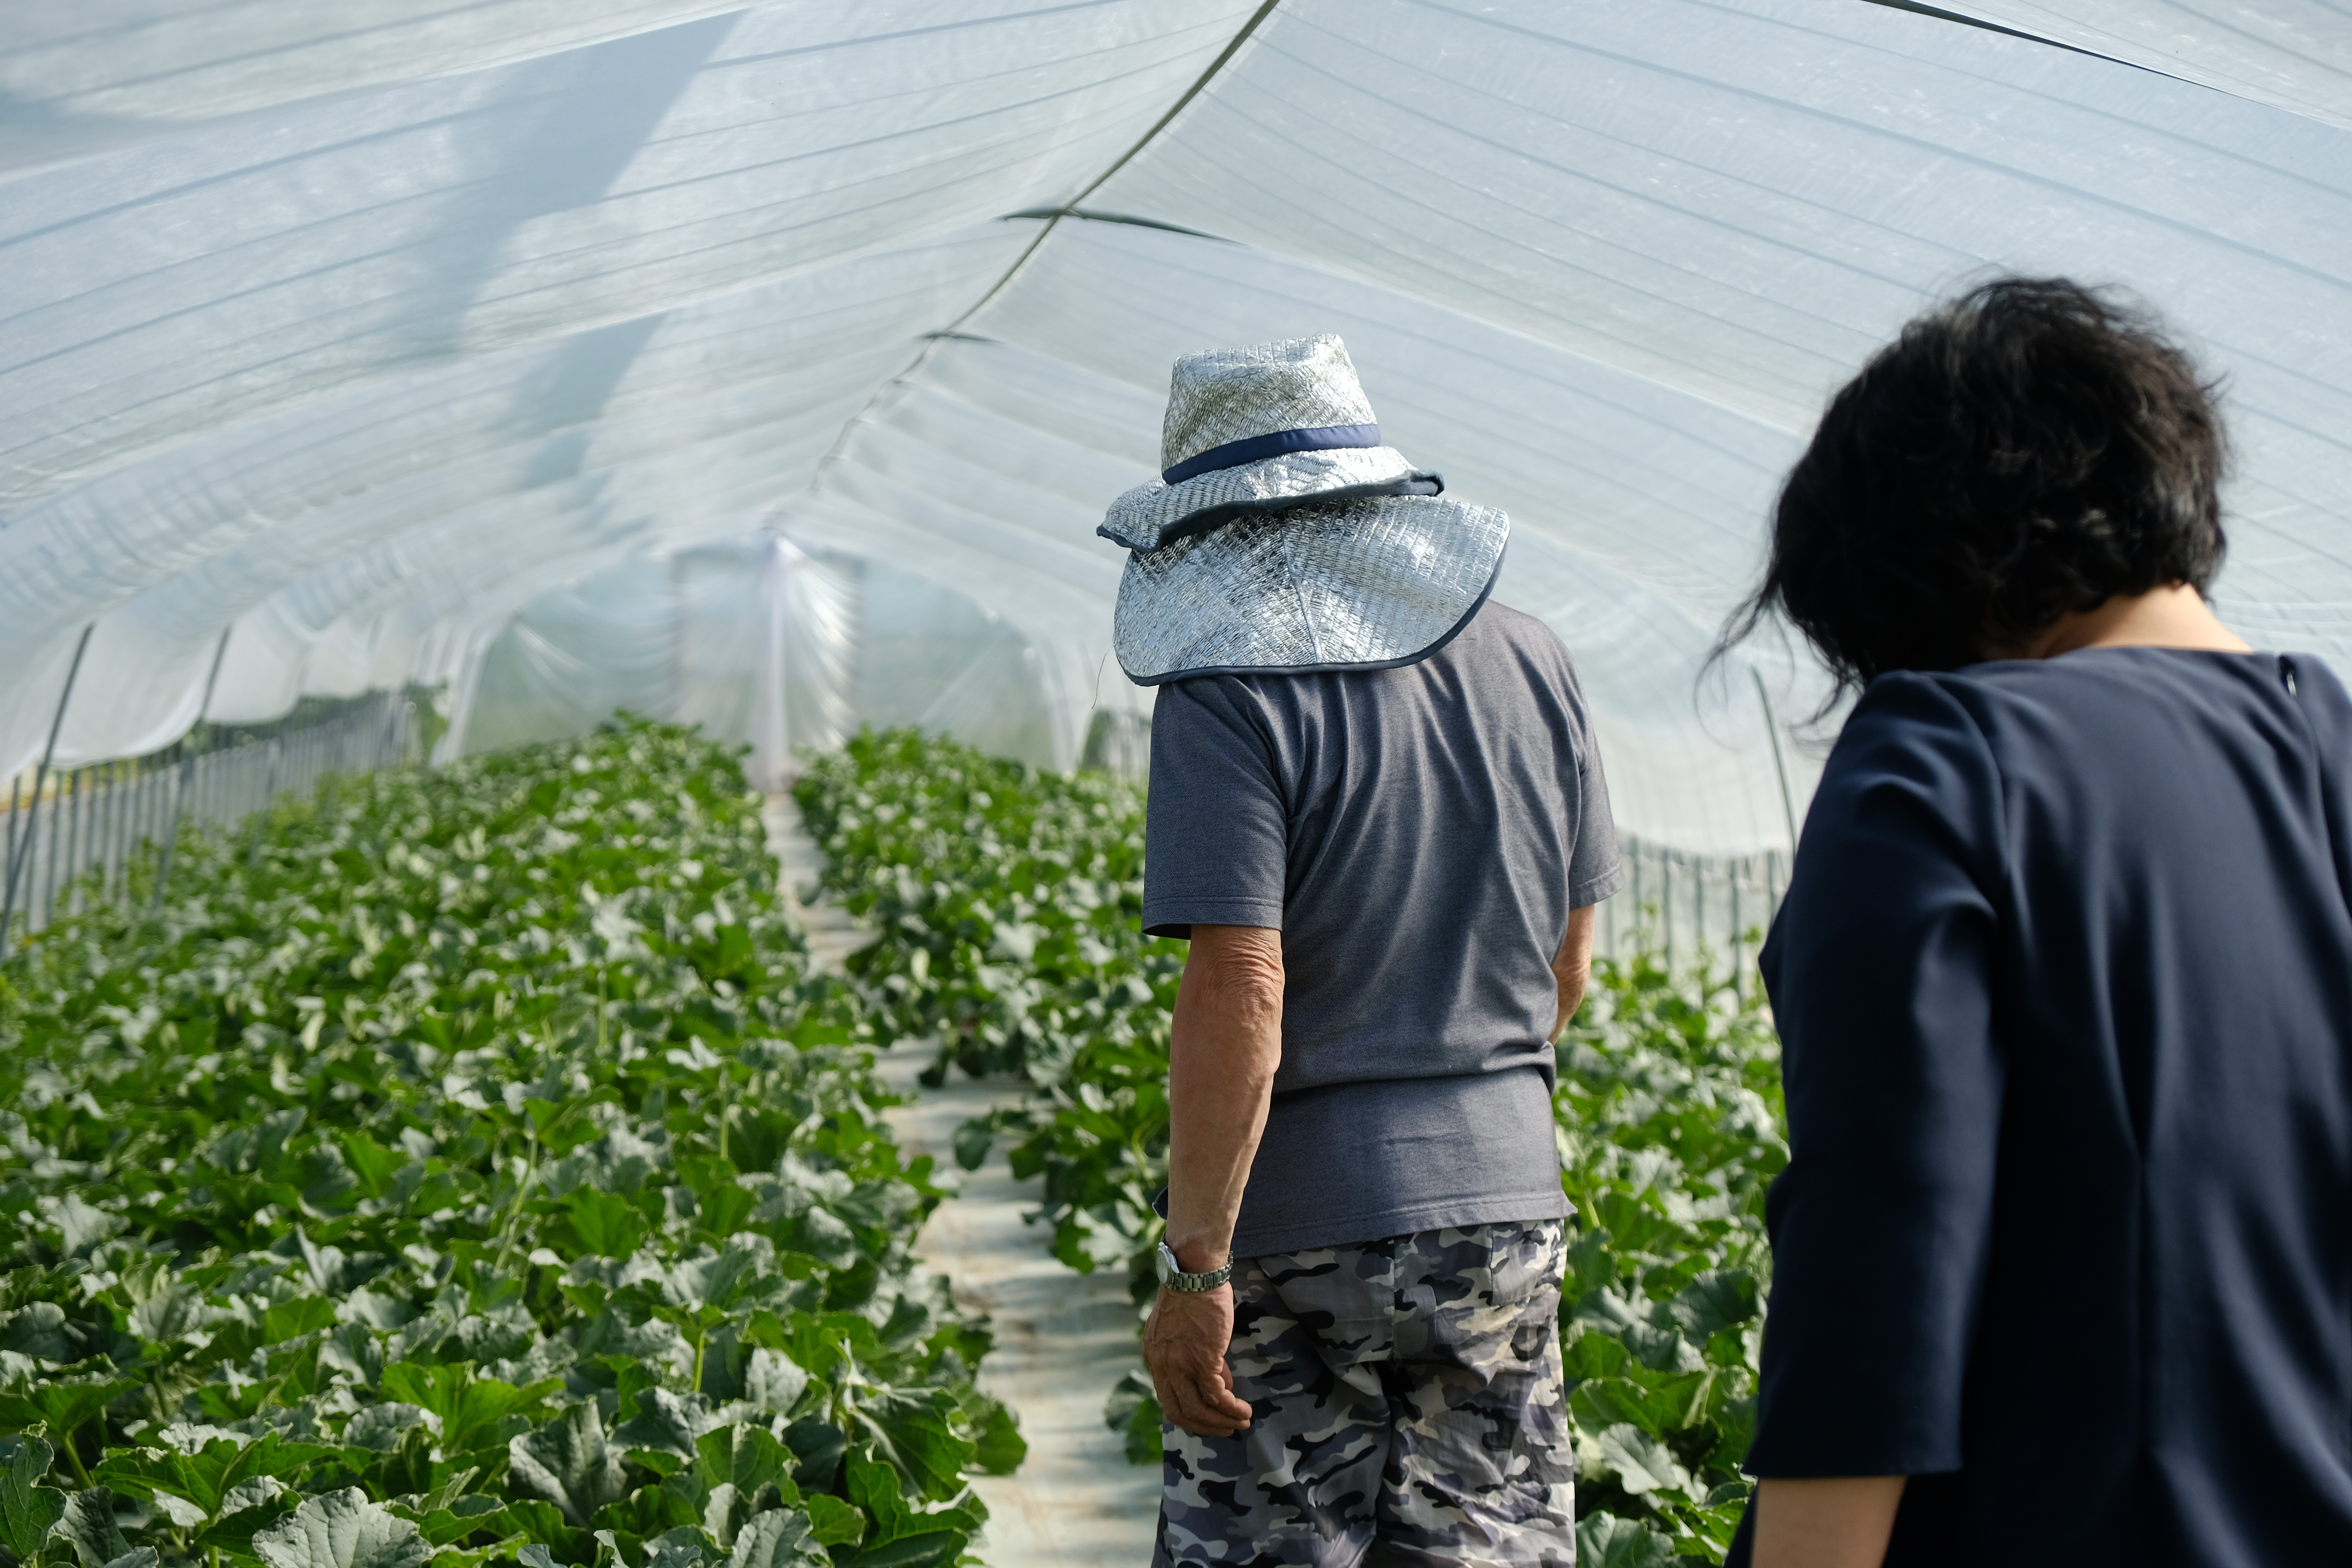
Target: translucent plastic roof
364,326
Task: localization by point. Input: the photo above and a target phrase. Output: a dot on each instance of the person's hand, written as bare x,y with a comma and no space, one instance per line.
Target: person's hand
1184,1345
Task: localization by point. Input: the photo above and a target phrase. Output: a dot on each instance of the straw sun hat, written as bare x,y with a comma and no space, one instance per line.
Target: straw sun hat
1281,537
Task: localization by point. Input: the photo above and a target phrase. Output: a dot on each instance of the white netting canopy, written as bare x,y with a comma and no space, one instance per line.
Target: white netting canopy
770,366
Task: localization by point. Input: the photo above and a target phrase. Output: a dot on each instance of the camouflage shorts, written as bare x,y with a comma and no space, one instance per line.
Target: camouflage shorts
1408,1410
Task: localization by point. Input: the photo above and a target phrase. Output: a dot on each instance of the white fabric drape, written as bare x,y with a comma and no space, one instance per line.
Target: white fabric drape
467,342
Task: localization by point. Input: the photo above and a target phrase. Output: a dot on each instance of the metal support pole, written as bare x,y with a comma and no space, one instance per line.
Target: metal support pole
1641,909
188,767
19,861
117,798
102,802
1739,936
1666,914
268,794
76,838
61,845
1772,729
1699,922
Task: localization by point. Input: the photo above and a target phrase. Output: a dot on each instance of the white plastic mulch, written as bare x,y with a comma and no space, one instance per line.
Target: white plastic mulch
1062,1339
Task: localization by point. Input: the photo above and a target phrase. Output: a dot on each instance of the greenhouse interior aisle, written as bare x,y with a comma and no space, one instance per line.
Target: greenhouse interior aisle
1062,1339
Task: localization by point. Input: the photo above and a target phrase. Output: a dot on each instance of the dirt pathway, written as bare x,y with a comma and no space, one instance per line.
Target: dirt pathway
1062,1339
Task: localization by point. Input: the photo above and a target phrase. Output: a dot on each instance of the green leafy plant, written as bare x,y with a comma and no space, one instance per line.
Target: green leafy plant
1008,902
459,1167
1671,1128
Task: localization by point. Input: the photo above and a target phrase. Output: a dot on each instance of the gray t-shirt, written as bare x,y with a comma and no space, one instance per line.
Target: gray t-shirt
1418,837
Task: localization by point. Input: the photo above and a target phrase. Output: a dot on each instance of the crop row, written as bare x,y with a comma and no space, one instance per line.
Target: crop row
1006,906
458,1168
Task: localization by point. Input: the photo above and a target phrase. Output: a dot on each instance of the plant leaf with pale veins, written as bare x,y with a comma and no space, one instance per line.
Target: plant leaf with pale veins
780,1538
1641,1463
61,1404
568,1463
341,1529
27,1508
89,1524
1604,1540
666,1422
773,1381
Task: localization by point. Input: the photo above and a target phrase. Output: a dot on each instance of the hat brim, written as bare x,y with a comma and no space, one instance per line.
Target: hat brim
1156,515
1352,585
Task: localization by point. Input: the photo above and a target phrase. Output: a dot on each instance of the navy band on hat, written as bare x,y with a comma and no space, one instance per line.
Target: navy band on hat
1257,448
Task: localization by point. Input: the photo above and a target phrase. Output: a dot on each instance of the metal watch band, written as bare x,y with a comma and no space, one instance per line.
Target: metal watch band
1175,1278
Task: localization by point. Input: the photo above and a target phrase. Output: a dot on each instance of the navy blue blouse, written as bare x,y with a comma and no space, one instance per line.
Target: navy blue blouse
2064,985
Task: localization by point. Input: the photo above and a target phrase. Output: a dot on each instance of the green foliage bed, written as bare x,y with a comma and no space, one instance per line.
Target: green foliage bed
1006,904
458,1169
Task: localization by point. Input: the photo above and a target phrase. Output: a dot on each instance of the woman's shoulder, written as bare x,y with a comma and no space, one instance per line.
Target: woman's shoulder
2115,684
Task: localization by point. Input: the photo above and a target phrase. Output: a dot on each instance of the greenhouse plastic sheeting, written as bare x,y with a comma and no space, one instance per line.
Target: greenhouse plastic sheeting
731,362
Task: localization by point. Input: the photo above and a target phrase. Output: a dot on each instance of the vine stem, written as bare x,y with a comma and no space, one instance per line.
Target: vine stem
522,1190
725,1087
73,1458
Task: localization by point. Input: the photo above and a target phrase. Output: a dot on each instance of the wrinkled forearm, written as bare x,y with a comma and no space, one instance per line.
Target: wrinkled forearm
1226,1043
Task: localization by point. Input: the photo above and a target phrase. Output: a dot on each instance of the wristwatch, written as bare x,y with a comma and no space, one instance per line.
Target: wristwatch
1175,1278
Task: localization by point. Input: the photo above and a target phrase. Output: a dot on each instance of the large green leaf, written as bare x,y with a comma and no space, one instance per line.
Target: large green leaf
903,1537
999,1447
746,1457
606,1223
232,1534
341,1529
28,1511
772,1380
380,1427
89,1524
568,1463
1641,1463
470,1408
834,1522
39,1330
177,1314
914,1430
779,1538
204,1474
743,1271
1715,1301
665,1423
683,1547
1603,1541
61,1404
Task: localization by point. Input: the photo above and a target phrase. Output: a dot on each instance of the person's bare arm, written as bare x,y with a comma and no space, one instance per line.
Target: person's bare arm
1839,1523
1572,965
1226,1043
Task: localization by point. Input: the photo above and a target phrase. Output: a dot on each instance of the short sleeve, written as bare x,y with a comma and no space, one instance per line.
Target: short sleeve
1596,868
1216,827
1879,973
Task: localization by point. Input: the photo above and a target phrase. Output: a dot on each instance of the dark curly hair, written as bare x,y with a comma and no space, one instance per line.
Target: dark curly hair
2029,448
